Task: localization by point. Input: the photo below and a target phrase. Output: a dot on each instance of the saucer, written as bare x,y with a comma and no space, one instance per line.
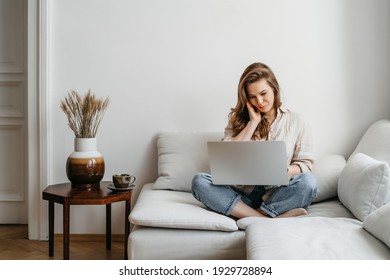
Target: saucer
113,188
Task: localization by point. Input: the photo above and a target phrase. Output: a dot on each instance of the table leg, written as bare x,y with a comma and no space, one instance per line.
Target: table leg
66,212
127,226
51,228
108,226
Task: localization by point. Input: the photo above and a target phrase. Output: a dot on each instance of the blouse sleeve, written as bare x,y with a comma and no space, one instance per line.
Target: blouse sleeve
228,133
303,153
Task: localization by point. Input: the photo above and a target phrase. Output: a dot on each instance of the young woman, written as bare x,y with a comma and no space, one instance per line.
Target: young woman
259,116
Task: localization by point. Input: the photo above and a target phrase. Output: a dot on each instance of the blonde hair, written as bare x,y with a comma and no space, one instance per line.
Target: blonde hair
239,115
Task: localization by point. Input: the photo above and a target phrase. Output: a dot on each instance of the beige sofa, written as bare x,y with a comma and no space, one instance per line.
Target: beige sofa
348,219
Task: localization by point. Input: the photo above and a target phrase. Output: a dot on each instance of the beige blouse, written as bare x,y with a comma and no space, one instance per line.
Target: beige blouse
294,130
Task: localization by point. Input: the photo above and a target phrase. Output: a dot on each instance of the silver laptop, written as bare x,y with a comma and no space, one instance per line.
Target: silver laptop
248,162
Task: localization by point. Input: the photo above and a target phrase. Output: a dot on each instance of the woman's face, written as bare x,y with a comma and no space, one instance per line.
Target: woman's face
261,95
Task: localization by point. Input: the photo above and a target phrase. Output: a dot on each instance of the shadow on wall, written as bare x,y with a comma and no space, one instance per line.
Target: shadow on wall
366,48
147,167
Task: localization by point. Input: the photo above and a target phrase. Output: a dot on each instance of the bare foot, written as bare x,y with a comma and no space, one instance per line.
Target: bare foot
262,213
293,213
241,210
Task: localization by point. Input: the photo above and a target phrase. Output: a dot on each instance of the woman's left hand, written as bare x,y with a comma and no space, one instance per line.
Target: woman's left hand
293,170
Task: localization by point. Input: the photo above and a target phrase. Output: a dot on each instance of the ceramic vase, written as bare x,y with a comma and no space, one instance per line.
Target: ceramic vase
85,166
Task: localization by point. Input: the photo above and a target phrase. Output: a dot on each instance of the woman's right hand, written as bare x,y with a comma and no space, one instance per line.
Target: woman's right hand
254,114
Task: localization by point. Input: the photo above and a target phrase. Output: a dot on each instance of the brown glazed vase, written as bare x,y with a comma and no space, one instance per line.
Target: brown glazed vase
85,166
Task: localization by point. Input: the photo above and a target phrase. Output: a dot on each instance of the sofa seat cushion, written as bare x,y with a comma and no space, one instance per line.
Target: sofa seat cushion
147,243
331,208
312,238
175,209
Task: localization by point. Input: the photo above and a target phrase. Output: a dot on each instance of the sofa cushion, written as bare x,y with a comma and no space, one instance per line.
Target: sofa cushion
364,185
376,141
147,243
331,208
378,224
312,238
327,170
174,209
181,155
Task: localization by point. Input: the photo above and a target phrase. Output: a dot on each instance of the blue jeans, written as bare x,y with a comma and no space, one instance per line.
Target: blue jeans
299,193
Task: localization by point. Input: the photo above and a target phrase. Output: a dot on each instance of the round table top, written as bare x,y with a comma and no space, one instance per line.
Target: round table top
99,194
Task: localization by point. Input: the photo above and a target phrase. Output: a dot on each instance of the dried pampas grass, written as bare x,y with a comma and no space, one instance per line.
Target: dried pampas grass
84,113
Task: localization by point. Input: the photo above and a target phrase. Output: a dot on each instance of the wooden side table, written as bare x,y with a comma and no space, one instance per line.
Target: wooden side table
67,195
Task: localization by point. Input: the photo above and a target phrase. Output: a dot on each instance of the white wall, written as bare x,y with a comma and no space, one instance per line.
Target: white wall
174,65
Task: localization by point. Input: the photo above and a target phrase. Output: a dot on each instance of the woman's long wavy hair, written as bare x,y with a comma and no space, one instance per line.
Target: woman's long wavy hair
239,115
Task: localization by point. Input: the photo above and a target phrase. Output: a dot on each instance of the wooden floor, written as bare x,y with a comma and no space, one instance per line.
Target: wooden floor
14,245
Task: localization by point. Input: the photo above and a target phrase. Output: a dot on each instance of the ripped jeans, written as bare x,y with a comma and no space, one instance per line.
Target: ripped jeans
299,193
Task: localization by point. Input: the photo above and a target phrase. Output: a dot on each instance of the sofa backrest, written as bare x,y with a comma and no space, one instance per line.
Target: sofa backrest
376,142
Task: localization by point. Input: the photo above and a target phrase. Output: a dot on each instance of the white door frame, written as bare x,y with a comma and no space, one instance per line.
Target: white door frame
38,121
